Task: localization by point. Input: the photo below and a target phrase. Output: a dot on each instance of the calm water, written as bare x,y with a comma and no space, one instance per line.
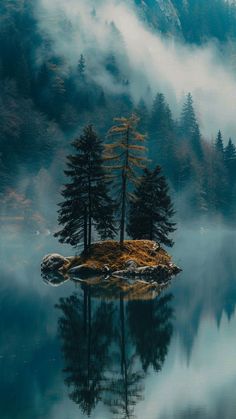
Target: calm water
66,354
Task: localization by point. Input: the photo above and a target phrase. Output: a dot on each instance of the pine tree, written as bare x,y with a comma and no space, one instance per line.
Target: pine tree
188,119
230,164
219,145
81,67
161,122
189,128
218,178
126,155
86,200
230,159
162,135
151,209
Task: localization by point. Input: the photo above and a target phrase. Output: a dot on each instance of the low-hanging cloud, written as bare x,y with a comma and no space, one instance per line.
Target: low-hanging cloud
144,57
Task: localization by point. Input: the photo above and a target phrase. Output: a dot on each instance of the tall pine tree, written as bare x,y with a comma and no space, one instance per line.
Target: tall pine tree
81,68
219,145
230,159
86,199
126,155
161,130
189,128
151,210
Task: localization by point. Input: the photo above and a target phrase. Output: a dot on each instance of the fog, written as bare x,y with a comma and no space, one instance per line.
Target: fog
145,58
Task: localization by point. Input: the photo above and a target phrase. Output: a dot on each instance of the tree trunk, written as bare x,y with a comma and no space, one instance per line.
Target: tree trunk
124,187
123,210
89,210
85,232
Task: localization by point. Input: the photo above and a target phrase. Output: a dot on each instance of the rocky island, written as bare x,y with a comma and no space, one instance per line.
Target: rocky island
136,259
113,193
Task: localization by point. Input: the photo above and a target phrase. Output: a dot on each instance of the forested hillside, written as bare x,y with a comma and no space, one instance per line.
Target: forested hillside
45,102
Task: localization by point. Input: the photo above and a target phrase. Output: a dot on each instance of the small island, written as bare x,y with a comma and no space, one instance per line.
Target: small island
114,193
142,259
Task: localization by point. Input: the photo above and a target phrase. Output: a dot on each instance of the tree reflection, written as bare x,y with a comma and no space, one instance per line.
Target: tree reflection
126,382
151,329
109,346
86,336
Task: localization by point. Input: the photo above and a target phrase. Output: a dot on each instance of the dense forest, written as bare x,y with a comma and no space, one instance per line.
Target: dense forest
45,103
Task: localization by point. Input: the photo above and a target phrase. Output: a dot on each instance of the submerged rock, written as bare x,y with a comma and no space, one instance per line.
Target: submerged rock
55,279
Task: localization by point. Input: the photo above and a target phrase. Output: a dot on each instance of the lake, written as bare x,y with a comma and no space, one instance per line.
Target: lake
68,352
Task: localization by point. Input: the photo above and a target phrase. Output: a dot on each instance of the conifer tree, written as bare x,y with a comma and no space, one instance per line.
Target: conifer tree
126,155
86,199
151,209
230,159
188,119
161,115
189,127
230,164
81,67
219,145
162,135
219,180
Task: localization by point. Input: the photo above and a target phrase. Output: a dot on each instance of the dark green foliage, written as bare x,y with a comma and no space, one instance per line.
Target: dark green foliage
151,210
86,334
81,68
230,159
86,200
219,145
230,164
189,128
161,132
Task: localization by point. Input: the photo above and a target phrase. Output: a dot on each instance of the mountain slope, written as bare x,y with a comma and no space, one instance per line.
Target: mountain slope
161,14
196,21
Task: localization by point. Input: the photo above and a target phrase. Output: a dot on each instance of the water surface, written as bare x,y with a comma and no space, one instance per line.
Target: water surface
65,353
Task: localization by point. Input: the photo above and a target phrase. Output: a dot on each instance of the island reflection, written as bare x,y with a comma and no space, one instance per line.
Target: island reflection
109,346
